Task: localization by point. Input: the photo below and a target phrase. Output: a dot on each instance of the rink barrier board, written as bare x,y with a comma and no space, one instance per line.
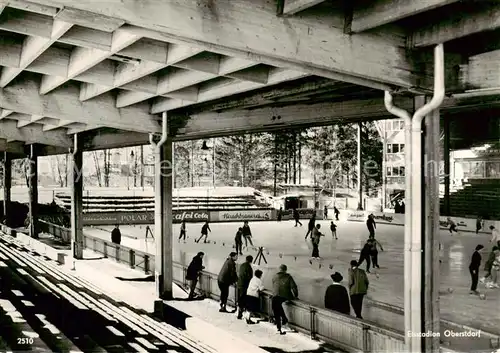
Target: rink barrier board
398,219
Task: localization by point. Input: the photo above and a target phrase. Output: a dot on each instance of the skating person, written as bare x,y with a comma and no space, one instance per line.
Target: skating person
453,226
479,224
204,232
193,273
245,274
489,264
247,234
336,296
255,288
296,217
475,263
315,238
495,235
284,289
238,241
337,212
310,225
280,214
371,225
358,287
375,244
365,255
333,228
227,277
182,234
494,271
116,235
325,212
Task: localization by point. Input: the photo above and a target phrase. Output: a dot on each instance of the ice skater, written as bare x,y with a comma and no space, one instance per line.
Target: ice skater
495,236
489,264
315,238
296,217
247,234
479,224
337,212
204,232
333,228
371,225
238,241
280,214
375,244
452,226
182,234
310,226
365,255
475,263
325,212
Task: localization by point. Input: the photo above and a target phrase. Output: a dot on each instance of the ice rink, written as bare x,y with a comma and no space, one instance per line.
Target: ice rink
285,244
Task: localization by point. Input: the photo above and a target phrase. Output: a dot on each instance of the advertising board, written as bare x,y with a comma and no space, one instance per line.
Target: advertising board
304,213
241,215
111,218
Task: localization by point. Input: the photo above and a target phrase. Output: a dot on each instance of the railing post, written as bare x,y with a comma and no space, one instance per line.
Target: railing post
117,253
105,250
312,318
366,339
132,258
94,244
146,263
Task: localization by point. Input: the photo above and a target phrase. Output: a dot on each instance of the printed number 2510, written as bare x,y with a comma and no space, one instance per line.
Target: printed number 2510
25,340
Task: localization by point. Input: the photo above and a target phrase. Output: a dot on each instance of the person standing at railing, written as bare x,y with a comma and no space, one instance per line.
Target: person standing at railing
336,296
116,235
227,277
247,234
193,273
204,232
358,287
238,241
284,289
255,288
182,234
245,275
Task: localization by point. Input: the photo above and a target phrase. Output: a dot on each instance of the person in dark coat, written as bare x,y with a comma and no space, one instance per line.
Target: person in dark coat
247,234
371,225
375,244
336,296
325,212
193,272
475,263
245,275
204,232
116,235
479,224
280,214
227,277
337,212
310,226
284,289
365,254
296,217
238,241
182,234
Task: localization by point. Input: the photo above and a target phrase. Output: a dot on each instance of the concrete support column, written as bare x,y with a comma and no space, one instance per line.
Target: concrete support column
447,169
7,184
77,200
33,190
360,167
430,236
163,220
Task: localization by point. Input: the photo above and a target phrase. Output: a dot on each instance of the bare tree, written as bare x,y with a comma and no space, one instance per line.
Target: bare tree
97,168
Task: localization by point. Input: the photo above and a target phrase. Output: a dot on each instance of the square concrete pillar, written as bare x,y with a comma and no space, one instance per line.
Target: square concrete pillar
33,190
77,200
7,184
163,220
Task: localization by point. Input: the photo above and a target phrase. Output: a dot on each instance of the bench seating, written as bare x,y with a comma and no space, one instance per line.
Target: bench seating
114,326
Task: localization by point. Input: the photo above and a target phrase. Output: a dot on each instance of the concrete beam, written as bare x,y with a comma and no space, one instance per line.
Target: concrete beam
457,25
65,104
380,12
11,147
30,6
311,44
102,139
33,134
293,6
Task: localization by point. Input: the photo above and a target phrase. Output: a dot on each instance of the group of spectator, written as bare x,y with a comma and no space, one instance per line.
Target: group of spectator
249,288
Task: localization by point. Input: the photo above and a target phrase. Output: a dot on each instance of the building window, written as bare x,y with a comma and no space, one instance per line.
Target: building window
395,125
395,147
395,171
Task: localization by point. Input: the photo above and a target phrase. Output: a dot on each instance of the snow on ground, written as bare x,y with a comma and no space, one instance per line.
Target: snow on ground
285,244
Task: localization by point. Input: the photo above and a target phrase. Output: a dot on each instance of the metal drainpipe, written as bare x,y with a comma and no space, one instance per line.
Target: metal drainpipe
413,209
403,114
74,152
